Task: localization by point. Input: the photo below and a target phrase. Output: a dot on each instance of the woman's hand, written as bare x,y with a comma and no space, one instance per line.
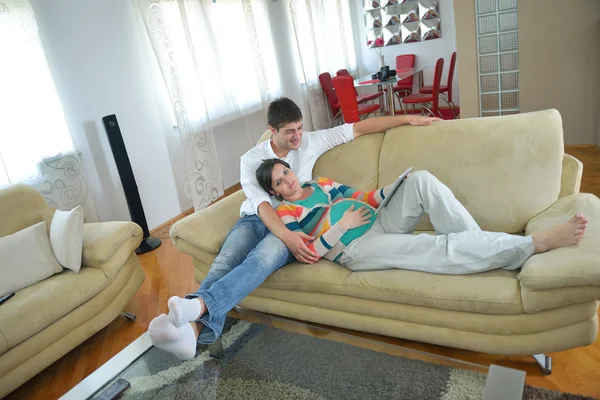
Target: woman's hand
355,218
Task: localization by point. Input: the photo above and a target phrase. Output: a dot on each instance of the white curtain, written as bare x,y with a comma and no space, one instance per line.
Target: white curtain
324,35
217,61
35,143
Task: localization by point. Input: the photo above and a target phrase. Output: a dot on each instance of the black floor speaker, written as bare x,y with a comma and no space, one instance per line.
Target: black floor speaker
132,195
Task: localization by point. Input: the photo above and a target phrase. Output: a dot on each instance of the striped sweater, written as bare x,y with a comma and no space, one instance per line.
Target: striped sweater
320,222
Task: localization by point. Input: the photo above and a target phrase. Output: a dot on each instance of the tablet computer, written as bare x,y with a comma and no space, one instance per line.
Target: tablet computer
395,187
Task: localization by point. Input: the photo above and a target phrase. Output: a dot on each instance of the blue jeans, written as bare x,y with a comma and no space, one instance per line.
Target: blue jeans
249,255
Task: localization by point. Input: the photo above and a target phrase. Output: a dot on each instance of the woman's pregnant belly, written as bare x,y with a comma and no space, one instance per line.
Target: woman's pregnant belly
338,210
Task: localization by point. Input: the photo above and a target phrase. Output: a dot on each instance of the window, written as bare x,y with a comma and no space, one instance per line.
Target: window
223,53
32,123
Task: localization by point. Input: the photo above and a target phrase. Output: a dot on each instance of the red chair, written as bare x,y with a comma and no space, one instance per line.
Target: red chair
363,98
405,86
332,99
344,89
423,98
445,88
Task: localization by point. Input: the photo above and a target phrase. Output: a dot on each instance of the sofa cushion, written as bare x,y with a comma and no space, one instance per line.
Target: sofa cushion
493,292
26,258
571,266
504,170
572,171
220,217
107,245
66,237
354,163
34,308
540,300
494,324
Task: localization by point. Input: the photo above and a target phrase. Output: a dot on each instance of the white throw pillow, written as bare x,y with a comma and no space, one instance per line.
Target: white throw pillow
66,237
26,258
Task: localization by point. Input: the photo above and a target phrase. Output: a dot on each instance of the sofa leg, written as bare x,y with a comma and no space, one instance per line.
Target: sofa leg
129,316
544,362
216,349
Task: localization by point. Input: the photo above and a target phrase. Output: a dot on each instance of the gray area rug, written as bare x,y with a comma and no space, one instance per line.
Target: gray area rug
262,362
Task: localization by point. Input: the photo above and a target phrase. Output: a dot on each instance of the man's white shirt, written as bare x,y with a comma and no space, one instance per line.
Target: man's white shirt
301,161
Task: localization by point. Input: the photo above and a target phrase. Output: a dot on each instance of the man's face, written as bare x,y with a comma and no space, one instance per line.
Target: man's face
289,136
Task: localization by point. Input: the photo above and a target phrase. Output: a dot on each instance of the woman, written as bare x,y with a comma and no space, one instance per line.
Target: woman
347,231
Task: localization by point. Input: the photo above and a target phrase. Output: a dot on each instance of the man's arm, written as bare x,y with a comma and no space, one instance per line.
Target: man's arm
382,124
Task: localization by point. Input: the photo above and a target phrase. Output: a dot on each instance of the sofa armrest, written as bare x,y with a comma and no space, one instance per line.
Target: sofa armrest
105,241
570,181
568,266
207,229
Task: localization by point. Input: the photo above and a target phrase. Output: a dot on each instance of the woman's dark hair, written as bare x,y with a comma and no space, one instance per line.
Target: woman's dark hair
283,111
265,171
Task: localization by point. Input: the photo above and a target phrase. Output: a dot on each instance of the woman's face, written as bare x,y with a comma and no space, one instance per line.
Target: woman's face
284,181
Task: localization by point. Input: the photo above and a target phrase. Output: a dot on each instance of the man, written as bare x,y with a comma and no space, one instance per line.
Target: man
259,243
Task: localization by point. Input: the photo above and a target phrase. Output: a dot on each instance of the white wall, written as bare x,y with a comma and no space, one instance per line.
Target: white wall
100,65
426,52
558,70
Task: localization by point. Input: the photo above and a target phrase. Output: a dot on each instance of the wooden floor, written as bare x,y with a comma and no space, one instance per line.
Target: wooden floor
169,272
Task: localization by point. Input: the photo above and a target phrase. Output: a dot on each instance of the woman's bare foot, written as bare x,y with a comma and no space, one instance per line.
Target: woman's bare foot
567,234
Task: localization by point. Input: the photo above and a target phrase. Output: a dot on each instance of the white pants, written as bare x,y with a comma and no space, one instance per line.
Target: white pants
460,246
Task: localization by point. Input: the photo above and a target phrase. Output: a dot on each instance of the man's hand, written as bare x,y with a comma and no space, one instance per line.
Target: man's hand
294,241
382,124
418,120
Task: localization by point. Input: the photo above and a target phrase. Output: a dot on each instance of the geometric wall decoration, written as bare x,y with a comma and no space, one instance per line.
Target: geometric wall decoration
498,56
401,21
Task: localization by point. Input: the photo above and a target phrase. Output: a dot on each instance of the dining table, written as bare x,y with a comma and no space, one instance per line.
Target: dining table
404,73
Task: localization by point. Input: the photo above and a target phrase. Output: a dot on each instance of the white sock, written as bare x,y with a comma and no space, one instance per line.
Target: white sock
181,341
161,330
182,311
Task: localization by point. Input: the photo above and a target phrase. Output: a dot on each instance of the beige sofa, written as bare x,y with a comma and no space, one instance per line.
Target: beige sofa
511,173
43,322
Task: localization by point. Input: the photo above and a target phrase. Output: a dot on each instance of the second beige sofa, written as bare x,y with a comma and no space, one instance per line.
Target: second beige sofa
46,320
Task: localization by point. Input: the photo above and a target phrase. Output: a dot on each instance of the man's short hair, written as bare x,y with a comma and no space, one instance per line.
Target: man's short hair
283,111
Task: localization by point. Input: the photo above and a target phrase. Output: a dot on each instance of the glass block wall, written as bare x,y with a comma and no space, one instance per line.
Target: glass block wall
498,56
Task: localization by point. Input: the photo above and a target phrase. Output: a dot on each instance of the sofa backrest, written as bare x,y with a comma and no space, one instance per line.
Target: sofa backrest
504,170
22,206
355,163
